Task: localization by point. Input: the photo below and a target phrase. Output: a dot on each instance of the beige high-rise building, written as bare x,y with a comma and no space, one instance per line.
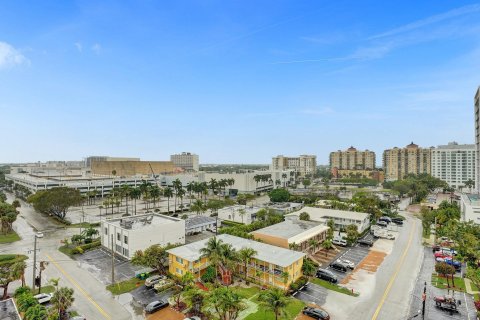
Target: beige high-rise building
304,164
186,160
352,159
398,162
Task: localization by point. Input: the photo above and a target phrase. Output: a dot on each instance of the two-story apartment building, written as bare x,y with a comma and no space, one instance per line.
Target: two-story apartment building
267,266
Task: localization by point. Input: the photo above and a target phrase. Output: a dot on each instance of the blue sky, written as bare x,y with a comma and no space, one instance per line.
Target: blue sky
234,81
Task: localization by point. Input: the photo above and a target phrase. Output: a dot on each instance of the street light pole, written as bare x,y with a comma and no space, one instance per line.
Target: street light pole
424,298
34,261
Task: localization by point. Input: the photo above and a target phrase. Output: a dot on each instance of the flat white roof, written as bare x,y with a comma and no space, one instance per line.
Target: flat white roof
320,214
265,252
142,221
294,230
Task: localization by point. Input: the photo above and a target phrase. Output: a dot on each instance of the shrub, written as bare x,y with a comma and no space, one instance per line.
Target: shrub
20,291
209,274
294,286
78,250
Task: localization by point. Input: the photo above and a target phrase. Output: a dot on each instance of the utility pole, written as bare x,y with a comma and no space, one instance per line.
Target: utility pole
34,261
435,234
424,298
113,262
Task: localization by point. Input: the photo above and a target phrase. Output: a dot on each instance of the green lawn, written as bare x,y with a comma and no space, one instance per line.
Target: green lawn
9,237
247,293
83,225
474,287
125,286
441,282
66,249
333,287
45,289
292,310
11,258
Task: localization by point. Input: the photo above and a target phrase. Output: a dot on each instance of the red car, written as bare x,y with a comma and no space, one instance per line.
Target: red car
440,254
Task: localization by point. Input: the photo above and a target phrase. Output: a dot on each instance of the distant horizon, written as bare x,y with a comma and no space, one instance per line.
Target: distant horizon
237,82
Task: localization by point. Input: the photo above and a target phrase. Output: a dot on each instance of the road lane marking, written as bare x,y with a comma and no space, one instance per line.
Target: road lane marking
397,270
82,291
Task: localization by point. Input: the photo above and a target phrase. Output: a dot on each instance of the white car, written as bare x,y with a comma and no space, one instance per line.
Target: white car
193,318
151,281
339,242
348,263
43,297
39,235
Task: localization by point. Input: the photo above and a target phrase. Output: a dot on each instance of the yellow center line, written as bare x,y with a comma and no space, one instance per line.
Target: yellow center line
394,276
82,291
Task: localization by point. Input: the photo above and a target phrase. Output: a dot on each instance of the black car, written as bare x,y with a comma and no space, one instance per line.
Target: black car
316,313
155,306
382,223
339,266
365,242
326,275
386,219
398,222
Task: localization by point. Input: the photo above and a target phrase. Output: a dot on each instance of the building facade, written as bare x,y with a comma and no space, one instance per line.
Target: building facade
185,160
239,213
398,162
454,163
476,103
131,168
133,233
470,208
352,159
303,165
266,267
88,161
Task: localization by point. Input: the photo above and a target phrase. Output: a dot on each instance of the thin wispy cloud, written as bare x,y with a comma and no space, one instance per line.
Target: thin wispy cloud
429,21
79,46
96,48
317,112
10,57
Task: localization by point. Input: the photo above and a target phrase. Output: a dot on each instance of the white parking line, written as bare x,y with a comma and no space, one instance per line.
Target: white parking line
466,305
310,296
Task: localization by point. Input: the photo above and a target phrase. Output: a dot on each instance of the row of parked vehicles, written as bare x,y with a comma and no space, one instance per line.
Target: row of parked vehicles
447,255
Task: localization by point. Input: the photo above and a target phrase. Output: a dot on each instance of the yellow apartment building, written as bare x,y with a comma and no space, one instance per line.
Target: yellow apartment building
266,267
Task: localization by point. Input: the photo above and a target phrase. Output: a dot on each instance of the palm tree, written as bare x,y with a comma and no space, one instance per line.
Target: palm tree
177,185
180,284
135,193
194,297
246,254
275,300
293,246
327,245
213,252
226,303
181,193
313,243
213,185
284,177
285,276
126,190
198,206
62,299
155,193
89,233
242,212
18,269
190,188
36,312
168,192
229,257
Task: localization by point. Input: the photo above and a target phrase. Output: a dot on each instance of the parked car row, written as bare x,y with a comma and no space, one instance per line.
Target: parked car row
443,254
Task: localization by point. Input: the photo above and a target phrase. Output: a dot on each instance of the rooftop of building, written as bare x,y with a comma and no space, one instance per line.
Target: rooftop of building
284,205
142,221
455,145
322,214
265,252
292,228
194,221
236,208
8,310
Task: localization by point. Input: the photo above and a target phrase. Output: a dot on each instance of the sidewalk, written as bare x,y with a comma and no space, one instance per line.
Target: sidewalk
468,287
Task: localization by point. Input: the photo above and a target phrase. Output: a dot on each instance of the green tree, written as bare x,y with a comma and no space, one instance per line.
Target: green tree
8,215
62,299
308,267
199,207
470,184
182,284
313,244
26,301
135,194
56,201
242,212
279,195
155,257
352,234
293,246
168,192
246,254
213,252
275,300
304,216
331,229
36,312
306,182
446,270
327,245
226,303
194,297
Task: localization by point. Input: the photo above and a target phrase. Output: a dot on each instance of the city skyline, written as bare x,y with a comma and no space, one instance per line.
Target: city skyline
234,85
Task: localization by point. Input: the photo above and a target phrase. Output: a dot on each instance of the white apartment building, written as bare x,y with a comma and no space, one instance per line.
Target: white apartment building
139,232
185,160
476,103
234,213
470,208
454,163
303,165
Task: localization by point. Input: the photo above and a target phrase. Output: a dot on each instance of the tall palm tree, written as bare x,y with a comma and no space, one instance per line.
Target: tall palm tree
177,185
168,192
242,212
284,177
246,254
62,299
190,189
155,193
285,276
181,194
198,206
275,300
135,193
213,252
126,189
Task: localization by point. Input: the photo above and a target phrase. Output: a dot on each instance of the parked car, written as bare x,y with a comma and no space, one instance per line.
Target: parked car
78,318
340,242
348,263
365,242
456,264
382,223
448,251
339,266
316,313
441,254
193,318
39,234
386,219
153,280
398,222
326,275
43,297
436,248
155,306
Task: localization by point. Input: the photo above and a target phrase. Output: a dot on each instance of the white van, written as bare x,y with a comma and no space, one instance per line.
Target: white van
339,242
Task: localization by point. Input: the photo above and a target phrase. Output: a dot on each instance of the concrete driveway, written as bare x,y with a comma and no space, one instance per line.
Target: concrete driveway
313,294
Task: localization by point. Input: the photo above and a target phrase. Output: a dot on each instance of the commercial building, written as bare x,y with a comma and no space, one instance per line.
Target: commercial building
341,218
476,103
302,165
200,223
88,161
454,163
470,208
377,175
398,162
283,208
292,231
139,232
266,267
352,159
185,160
131,168
239,213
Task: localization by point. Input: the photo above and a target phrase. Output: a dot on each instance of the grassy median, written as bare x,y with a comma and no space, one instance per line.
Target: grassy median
331,286
9,237
125,286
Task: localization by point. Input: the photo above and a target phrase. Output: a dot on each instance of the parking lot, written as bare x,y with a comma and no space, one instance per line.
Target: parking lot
99,263
313,294
143,295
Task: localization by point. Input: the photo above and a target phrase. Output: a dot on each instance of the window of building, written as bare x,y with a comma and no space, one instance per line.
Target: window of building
125,239
118,236
106,230
179,260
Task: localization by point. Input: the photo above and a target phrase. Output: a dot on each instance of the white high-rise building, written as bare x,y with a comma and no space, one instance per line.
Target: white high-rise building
477,137
185,160
303,164
454,163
